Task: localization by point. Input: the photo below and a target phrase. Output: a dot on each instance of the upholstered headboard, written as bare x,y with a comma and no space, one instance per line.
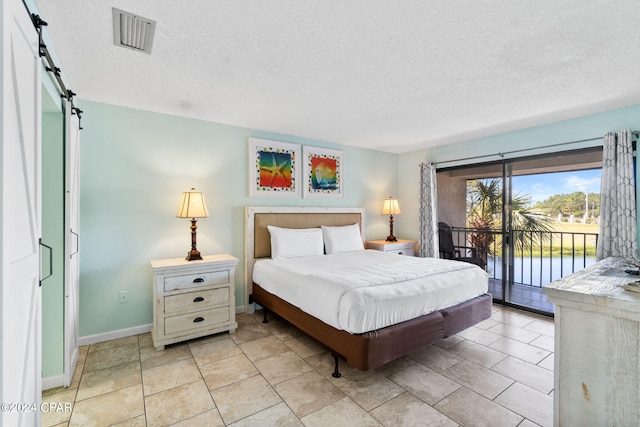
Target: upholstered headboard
258,239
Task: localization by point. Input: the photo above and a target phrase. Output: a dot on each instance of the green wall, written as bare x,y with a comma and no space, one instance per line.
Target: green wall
134,167
586,127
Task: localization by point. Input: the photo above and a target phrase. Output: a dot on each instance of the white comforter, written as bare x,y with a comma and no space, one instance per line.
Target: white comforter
363,291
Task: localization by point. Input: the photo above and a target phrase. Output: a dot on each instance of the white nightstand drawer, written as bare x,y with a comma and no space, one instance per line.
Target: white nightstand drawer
407,251
197,320
174,283
199,300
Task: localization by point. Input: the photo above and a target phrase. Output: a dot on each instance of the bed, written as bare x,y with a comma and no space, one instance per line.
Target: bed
355,341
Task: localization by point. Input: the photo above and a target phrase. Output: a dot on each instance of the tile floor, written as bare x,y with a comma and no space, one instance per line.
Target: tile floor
498,373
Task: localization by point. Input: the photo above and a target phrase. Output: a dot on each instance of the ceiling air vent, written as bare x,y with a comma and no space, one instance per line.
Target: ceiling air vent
133,32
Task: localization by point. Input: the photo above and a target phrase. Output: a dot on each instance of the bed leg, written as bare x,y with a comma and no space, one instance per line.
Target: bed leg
264,319
336,371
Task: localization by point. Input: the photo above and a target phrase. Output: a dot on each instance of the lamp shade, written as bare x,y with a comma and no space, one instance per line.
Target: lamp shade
192,205
391,207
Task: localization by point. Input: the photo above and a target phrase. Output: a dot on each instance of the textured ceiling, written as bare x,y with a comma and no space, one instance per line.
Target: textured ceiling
388,75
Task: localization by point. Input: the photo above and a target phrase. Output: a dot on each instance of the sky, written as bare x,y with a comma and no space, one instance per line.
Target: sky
543,186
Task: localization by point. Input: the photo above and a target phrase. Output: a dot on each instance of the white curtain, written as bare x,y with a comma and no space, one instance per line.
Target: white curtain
617,198
428,212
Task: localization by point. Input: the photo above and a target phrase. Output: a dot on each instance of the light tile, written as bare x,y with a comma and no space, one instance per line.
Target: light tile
299,368
140,421
533,405
210,419
283,367
213,349
324,363
245,318
119,342
368,389
479,336
527,423
227,371
449,342
150,357
470,409
408,410
178,404
264,348
145,341
336,413
545,327
77,374
169,375
305,346
82,354
277,415
476,353
109,379
99,410
283,330
512,318
63,402
308,393
486,324
514,333
435,358
523,351
548,362
545,342
424,383
244,398
249,332
526,373
111,356
478,378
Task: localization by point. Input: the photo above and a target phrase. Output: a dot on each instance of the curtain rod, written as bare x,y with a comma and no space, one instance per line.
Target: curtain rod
502,154
38,23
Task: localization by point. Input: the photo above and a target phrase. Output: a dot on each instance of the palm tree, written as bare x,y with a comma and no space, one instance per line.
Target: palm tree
484,214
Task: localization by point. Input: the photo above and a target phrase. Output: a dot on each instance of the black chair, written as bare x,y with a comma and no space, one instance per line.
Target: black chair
458,253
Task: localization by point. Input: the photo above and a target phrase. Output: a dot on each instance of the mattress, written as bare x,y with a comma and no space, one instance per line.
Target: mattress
367,290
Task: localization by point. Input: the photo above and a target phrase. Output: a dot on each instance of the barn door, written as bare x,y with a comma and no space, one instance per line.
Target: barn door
21,216
72,237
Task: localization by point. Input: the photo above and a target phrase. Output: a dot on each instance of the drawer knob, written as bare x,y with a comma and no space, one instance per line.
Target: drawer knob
198,280
198,319
199,299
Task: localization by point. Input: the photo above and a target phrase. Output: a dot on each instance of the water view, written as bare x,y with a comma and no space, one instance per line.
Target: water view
539,271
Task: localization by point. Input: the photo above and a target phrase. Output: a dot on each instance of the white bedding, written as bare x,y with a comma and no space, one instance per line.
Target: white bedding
367,290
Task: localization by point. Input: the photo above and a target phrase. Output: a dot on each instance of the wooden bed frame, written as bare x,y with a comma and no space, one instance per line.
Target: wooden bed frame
362,351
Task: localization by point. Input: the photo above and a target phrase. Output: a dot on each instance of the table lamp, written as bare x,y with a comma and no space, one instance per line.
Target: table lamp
391,208
192,206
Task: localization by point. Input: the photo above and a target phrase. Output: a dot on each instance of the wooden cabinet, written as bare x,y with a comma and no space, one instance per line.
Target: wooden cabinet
401,247
193,298
597,347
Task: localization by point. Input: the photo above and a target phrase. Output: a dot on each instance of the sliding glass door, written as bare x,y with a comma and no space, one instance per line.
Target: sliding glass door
531,220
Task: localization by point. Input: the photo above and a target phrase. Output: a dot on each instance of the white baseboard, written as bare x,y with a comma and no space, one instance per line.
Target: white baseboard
52,382
112,335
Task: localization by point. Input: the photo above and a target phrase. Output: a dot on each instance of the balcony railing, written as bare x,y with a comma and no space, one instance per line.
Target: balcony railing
539,257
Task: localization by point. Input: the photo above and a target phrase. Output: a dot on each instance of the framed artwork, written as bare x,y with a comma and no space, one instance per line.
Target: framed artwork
323,176
273,169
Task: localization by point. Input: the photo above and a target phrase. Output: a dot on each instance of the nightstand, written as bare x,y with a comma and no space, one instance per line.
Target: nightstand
193,298
401,247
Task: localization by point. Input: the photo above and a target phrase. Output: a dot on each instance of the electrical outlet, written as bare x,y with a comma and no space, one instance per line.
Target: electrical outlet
123,297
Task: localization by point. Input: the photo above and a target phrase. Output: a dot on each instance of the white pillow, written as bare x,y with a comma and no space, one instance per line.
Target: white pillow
345,238
295,242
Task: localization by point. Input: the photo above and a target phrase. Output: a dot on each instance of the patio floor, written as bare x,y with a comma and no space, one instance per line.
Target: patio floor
524,295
